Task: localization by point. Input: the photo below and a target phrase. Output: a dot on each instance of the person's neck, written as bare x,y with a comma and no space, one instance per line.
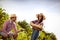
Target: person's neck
11,20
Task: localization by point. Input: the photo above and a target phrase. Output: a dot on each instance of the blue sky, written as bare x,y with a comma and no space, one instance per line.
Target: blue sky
27,9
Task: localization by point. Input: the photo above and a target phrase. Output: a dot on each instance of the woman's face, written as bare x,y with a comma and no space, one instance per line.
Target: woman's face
39,17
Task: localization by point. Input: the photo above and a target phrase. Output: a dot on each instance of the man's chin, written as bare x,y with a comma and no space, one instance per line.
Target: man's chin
14,20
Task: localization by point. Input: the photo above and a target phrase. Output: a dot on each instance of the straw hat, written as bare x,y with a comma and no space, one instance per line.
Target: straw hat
13,15
43,16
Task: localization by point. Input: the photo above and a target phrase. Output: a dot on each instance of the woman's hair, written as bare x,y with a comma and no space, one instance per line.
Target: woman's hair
41,19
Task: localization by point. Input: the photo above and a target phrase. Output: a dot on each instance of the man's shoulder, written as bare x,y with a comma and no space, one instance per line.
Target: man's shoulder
6,21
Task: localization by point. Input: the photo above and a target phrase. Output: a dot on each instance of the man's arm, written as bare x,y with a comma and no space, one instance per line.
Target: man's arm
15,29
4,27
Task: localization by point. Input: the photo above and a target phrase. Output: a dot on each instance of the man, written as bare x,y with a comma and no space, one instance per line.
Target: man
37,25
8,26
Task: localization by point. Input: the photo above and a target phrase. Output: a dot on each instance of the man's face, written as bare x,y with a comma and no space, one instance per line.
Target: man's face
14,19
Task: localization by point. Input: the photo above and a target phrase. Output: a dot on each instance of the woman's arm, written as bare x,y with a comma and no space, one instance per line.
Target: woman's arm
35,25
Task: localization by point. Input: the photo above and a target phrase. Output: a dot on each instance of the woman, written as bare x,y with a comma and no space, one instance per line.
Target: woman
37,25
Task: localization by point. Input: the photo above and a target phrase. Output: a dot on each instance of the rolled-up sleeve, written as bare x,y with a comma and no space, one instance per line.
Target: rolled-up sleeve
14,27
4,26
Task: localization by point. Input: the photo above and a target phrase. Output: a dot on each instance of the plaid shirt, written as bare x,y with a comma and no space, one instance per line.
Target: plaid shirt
37,22
8,26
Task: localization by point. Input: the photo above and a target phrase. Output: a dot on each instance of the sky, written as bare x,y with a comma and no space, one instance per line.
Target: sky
27,10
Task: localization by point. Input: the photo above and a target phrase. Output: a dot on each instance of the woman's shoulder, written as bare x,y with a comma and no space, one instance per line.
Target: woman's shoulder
35,20
42,23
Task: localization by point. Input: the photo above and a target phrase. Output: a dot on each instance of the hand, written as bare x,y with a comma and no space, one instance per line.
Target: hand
4,35
39,26
14,33
22,30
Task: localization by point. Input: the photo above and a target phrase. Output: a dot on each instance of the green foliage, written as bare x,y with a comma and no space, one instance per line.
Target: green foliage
26,26
46,36
3,17
42,36
22,36
25,35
